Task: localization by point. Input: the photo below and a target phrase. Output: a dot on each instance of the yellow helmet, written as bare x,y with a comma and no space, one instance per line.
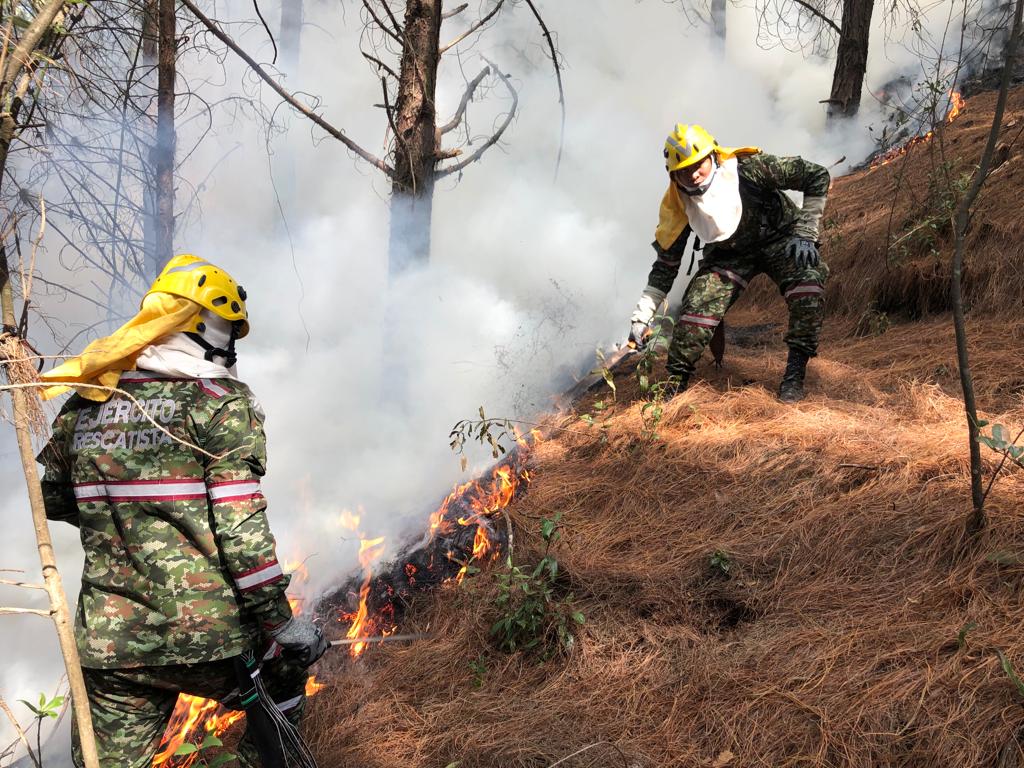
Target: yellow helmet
206,284
687,145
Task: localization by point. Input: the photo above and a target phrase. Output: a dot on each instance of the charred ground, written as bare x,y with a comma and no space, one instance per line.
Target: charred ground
851,627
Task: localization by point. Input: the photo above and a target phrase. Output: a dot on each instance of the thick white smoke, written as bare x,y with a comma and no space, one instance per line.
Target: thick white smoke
528,274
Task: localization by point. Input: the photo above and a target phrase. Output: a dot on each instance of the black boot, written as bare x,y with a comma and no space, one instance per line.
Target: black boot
791,389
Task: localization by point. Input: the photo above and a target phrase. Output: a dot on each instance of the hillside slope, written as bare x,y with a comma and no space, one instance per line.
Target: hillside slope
853,626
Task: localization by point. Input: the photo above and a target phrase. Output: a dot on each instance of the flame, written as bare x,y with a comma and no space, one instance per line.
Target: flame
350,520
369,551
192,714
483,498
189,713
956,106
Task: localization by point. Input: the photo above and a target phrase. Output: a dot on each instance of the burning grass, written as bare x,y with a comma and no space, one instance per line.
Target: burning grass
786,584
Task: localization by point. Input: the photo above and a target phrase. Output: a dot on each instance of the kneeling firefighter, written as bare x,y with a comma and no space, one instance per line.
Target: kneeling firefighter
732,199
181,589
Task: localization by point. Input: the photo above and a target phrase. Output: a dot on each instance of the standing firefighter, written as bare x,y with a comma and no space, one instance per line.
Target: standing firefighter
181,589
733,200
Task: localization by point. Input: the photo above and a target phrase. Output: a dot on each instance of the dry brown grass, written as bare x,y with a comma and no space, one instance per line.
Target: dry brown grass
871,208
833,641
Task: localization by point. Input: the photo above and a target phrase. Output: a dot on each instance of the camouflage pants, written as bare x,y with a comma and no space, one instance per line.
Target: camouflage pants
131,707
718,283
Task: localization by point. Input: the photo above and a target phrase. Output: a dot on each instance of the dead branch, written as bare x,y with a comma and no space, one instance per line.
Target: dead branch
380,64
36,611
442,172
452,124
22,584
815,12
454,11
337,133
395,34
473,27
394,20
21,56
21,733
558,78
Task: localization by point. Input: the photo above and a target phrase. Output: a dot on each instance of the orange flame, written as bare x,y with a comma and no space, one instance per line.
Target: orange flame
956,106
369,551
188,713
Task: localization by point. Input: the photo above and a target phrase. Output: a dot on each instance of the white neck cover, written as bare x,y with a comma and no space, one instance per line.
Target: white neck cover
178,355
715,215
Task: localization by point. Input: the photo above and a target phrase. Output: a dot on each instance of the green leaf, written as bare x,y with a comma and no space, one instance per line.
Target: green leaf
1000,434
211,740
1010,673
35,711
961,638
578,617
587,419
221,759
185,749
1003,557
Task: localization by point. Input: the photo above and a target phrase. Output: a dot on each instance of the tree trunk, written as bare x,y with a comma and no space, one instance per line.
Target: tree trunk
718,27
150,31
851,58
415,121
961,222
290,36
164,150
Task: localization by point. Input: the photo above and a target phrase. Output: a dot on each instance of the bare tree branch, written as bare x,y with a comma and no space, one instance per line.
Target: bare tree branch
35,611
395,34
21,56
558,77
815,12
337,133
394,20
454,11
21,733
380,64
473,27
497,134
23,584
452,124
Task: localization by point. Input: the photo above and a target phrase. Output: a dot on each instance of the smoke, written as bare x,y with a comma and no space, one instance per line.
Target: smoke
361,381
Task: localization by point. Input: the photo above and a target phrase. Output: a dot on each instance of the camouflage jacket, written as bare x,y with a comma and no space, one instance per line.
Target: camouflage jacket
768,214
180,563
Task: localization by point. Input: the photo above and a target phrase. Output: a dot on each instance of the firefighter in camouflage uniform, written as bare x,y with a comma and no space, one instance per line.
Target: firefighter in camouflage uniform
733,200
162,479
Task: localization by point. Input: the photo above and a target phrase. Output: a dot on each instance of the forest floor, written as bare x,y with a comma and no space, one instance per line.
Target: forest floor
762,584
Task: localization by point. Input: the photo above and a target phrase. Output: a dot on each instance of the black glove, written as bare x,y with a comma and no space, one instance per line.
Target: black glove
639,333
302,639
804,252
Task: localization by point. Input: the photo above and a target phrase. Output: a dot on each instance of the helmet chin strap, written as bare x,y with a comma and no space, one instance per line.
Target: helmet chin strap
227,352
701,188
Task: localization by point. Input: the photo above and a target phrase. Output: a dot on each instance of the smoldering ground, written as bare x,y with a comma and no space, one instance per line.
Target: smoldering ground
528,272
